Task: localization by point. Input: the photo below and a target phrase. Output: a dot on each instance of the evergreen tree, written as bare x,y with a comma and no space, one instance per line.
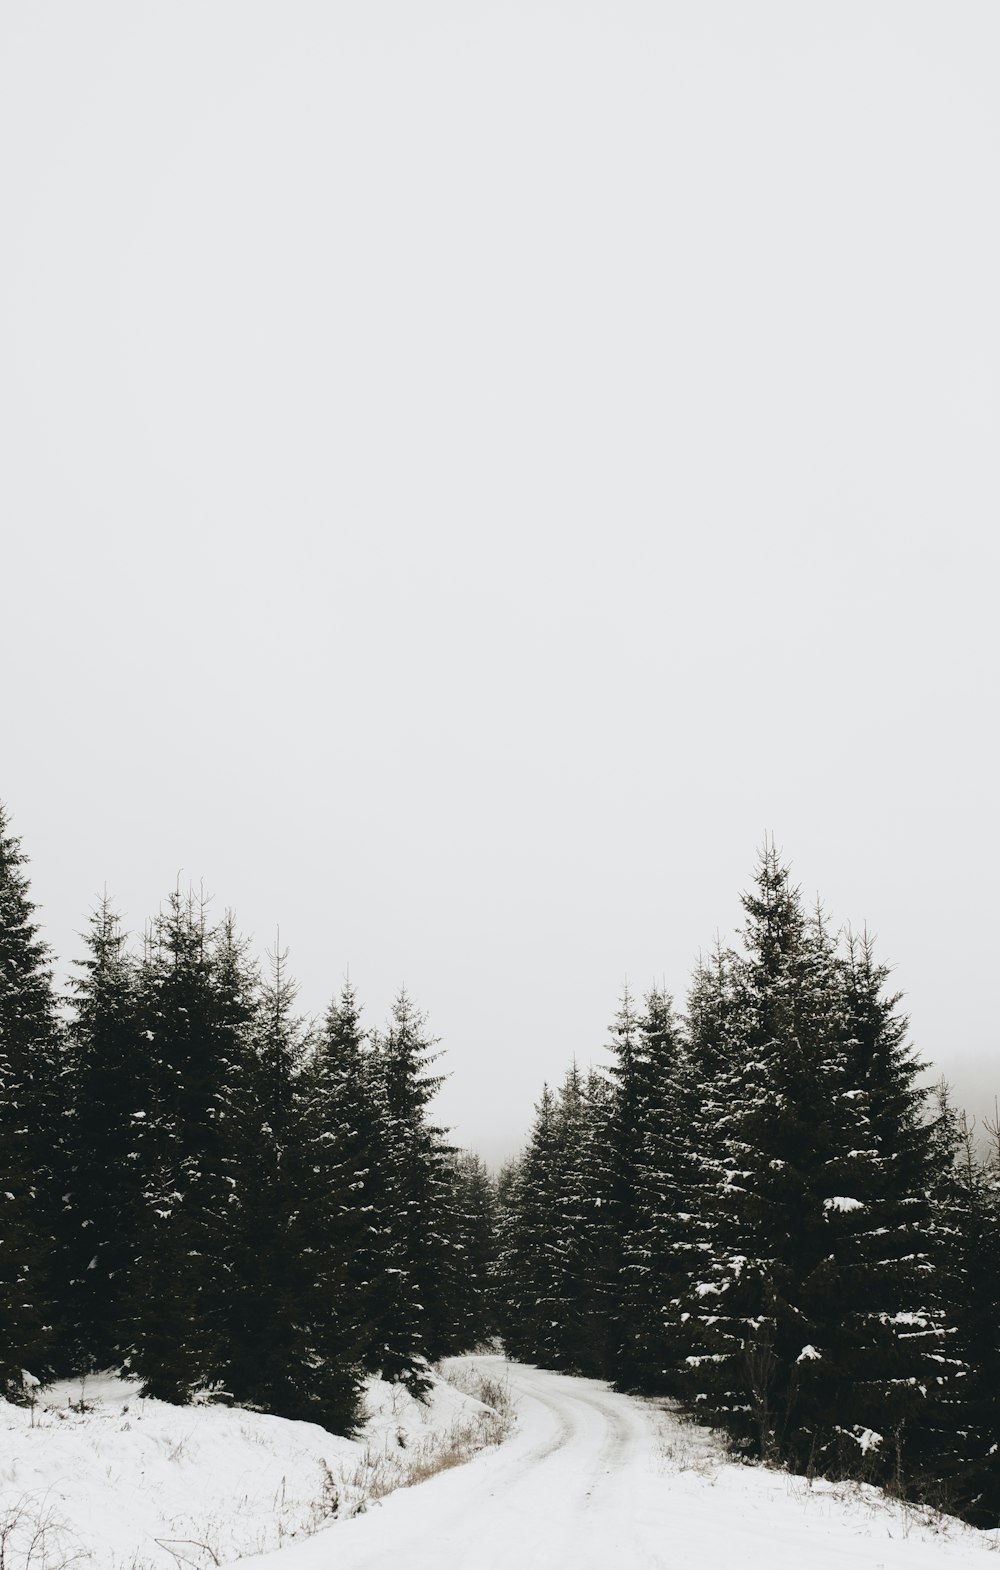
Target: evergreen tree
882,1315
600,1253
106,1090
774,1087
267,1348
815,1318
506,1273
702,1222
421,1259
189,1160
958,1437
573,1338
559,1248
528,1198
628,1110
476,1222
30,1125
342,1206
658,1245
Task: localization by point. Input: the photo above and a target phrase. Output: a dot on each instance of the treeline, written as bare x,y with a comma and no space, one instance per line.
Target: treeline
199,1189
760,1212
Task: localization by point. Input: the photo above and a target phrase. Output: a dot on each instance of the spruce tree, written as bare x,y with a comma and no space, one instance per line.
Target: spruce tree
882,1323
625,1132
657,1248
421,1259
267,1346
958,1435
702,1221
814,1321
30,1126
340,1230
775,1084
559,1250
573,1338
106,1088
601,1254
189,1160
474,1307
507,1266
528,1263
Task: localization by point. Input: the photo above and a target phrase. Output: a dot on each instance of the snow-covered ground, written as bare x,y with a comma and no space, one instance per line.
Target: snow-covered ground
588,1480
128,1484
593,1480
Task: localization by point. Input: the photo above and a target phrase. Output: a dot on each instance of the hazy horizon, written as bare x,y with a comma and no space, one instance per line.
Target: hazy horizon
471,1109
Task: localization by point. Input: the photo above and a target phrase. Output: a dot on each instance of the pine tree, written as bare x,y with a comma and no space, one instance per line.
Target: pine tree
267,1347
189,1160
814,1321
978,1326
421,1258
558,1254
625,1133
658,1245
30,1126
341,1222
573,1338
250,1030
106,1089
601,1255
475,1313
527,1268
776,1077
507,1266
958,1435
703,1220
881,1323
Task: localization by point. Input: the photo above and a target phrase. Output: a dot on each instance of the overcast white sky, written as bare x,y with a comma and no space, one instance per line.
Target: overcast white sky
469,470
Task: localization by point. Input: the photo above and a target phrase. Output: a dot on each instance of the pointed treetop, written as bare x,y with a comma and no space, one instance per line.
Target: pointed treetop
25,958
774,910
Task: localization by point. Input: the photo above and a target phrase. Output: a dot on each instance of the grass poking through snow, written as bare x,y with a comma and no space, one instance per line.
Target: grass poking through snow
411,1460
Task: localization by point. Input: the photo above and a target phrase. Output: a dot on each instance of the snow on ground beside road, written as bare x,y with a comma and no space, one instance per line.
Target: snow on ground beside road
594,1480
588,1480
130,1484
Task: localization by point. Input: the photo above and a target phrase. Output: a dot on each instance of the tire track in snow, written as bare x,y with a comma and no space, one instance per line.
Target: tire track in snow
584,1484
552,1483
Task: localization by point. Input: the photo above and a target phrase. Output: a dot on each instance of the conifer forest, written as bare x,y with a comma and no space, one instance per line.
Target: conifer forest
758,1209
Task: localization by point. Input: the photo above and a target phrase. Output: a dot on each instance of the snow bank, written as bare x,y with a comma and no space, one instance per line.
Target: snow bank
95,1472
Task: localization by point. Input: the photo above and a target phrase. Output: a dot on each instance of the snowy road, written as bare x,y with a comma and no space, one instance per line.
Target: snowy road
594,1480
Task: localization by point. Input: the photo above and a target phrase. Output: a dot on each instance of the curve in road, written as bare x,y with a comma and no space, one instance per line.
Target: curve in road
595,1480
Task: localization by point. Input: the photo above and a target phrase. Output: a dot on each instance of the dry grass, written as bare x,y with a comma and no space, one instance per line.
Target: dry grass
33,1536
688,1446
381,1472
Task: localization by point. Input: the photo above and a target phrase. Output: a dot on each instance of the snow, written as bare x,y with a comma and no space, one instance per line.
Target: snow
843,1202
593,1479
125,1480
588,1479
